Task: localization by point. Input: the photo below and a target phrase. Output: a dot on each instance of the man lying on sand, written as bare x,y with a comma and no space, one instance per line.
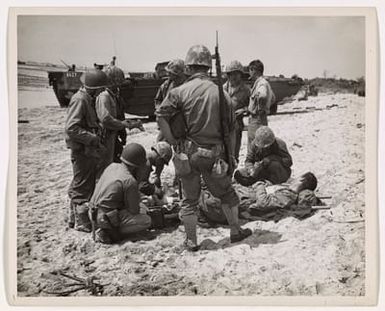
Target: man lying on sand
298,195
267,159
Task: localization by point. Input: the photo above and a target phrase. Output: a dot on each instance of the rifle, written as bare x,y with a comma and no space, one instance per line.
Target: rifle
224,111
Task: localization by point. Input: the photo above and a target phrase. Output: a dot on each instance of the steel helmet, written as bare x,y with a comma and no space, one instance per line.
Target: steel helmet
176,67
94,79
115,75
134,154
198,55
234,66
264,137
163,149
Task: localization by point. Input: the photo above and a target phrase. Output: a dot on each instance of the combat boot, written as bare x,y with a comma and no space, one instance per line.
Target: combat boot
82,220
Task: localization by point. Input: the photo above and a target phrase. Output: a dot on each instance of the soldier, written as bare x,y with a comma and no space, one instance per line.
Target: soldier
198,101
176,76
159,156
267,158
239,93
81,135
299,192
111,116
116,197
261,98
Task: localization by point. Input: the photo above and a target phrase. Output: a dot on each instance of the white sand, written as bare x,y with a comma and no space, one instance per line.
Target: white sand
317,255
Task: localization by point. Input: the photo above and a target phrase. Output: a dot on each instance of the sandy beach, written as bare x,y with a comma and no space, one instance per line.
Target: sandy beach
320,255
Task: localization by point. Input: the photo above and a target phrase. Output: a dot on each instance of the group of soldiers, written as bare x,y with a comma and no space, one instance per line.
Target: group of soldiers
108,182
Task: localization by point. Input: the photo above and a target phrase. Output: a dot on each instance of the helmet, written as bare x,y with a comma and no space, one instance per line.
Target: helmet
176,67
234,66
94,79
134,154
264,137
115,75
163,149
198,55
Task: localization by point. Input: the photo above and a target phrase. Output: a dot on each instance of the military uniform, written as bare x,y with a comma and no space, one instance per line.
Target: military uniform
270,198
277,171
198,100
261,98
163,90
240,96
110,117
116,199
81,130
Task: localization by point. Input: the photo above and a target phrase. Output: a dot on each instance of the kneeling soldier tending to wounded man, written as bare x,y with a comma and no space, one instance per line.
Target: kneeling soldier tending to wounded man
116,198
267,158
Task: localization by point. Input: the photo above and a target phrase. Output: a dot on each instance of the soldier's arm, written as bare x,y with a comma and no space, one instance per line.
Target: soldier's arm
283,152
73,126
103,111
250,157
158,172
131,196
264,201
145,186
158,97
166,110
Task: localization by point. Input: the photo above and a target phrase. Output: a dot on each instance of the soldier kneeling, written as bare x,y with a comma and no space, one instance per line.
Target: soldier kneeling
267,159
116,198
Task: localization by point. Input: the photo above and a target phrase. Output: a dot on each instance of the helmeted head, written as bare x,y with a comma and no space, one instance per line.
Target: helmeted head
198,55
264,137
94,79
175,67
115,75
134,155
163,150
234,66
234,72
256,68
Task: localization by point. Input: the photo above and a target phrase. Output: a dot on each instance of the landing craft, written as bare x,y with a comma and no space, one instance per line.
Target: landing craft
139,89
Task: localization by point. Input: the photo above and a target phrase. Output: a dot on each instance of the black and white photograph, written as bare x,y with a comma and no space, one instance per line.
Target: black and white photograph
194,155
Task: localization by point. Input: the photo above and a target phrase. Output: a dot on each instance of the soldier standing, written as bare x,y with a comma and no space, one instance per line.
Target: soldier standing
176,76
239,93
109,109
198,101
261,98
81,135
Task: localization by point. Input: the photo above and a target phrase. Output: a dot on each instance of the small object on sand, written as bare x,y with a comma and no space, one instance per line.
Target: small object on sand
360,181
359,125
297,145
22,121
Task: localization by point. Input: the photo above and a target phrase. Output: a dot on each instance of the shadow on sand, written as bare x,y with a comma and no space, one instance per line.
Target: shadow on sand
258,237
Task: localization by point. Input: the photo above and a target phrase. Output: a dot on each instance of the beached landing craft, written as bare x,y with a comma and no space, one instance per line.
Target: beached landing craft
140,89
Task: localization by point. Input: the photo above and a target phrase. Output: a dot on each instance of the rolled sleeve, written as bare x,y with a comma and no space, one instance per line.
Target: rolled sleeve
169,106
104,112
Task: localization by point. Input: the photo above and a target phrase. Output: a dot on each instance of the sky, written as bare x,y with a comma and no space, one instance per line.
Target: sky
306,46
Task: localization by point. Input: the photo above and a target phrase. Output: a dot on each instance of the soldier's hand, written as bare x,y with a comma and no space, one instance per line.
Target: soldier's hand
153,178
